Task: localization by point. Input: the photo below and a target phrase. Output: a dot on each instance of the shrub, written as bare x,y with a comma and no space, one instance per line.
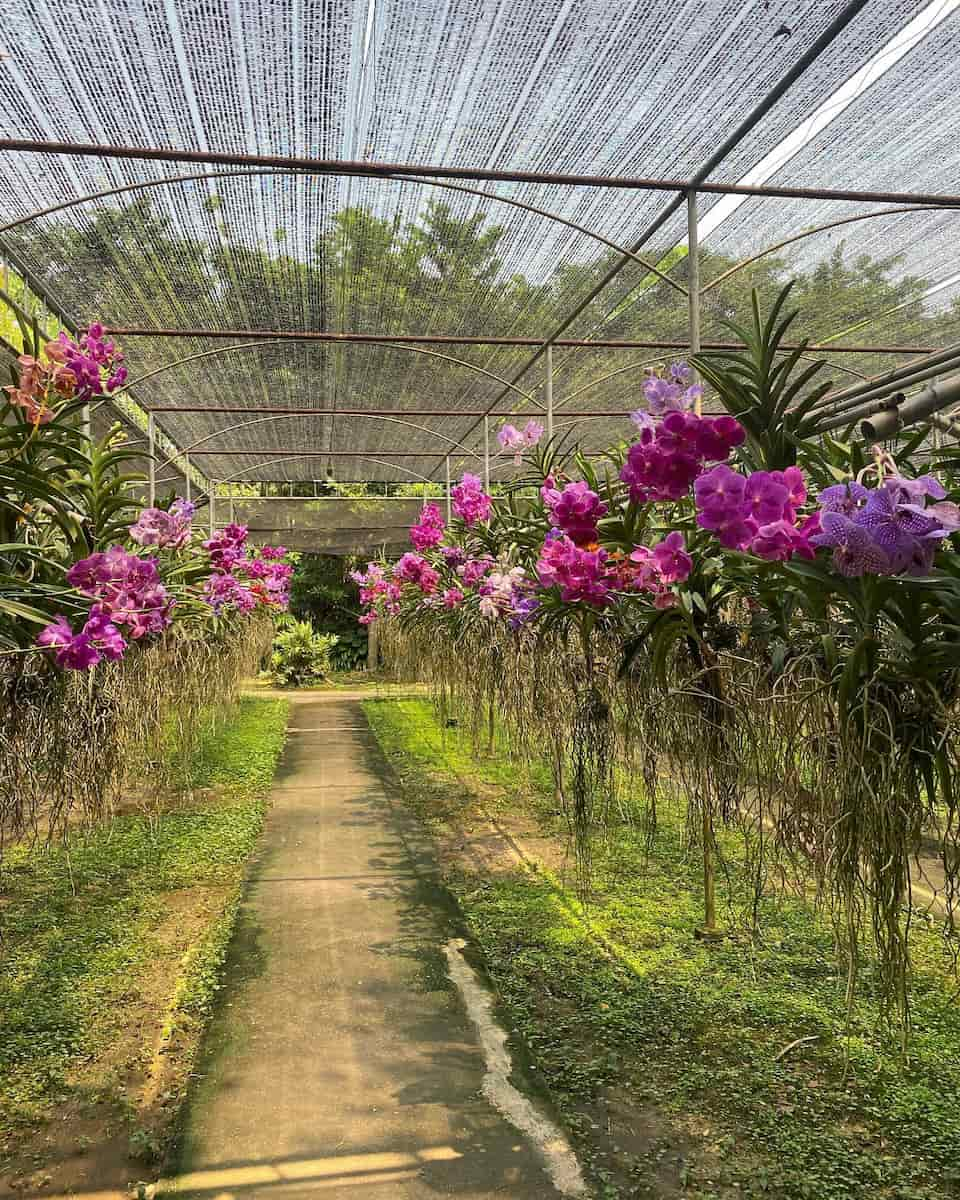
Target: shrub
300,655
350,652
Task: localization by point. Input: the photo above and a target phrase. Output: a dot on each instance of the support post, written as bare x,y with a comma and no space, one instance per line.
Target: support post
186,475
373,646
548,390
693,279
151,461
486,454
213,493
231,506
447,462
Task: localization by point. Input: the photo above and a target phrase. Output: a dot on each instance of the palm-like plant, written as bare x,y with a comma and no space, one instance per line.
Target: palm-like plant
763,387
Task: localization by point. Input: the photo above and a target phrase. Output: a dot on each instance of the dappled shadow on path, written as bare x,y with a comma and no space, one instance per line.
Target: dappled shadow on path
340,1057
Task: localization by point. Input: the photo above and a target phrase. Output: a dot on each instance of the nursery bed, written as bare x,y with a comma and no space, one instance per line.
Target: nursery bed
684,1068
111,956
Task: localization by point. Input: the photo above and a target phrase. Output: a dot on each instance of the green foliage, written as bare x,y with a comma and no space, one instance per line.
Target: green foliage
322,593
765,388
350,651
82,922
239,759
622,1000
300,655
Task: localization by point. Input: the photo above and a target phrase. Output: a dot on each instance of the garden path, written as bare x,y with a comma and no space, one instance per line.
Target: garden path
342,1061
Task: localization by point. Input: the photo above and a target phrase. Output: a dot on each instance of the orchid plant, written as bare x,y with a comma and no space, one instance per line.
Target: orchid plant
76,545
697,532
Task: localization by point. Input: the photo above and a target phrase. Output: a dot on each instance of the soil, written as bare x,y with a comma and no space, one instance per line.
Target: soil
122,1105
644,1151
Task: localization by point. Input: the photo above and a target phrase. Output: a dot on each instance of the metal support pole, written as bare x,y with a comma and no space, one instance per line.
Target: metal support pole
213,493
231,506
486,454
693,280
373,646
186,474
151,461
548,390
448,489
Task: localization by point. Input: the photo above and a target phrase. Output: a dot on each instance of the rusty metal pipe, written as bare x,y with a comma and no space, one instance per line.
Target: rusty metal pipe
347,339
323,166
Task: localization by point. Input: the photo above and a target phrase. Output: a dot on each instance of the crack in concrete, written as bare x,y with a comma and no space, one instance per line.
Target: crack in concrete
550,1143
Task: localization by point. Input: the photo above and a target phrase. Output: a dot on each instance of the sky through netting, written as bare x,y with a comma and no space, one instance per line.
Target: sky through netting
634,89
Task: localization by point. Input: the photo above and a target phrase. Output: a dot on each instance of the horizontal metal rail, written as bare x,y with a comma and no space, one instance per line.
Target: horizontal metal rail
898,385
290,335
364,412
841,398
335,453
380,170
199,453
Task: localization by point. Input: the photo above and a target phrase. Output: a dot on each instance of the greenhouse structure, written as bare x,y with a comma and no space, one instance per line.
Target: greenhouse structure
480,599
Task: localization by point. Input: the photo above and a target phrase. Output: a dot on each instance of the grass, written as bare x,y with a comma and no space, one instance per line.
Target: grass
336,681
123,932
623,1009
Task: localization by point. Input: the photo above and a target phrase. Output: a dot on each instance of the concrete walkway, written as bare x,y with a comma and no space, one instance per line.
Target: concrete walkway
342,1061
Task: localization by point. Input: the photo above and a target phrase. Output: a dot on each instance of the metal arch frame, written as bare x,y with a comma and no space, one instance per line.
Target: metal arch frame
561,404
684,190
796,238
542,212
847,14
135,187
885,212
302,173
603,378
311,454
320,453
309,340
580,419
699,292
442,184
185,451
648,361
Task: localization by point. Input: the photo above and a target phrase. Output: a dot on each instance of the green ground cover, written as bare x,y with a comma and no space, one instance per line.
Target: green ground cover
116,940
624,1011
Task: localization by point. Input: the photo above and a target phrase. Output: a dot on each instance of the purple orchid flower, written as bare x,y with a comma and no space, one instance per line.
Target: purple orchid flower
854,550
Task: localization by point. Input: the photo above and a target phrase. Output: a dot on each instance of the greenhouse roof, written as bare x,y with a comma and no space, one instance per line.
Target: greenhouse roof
211,271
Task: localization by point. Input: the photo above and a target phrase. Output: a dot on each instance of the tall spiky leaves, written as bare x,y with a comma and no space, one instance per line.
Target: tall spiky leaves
764,386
